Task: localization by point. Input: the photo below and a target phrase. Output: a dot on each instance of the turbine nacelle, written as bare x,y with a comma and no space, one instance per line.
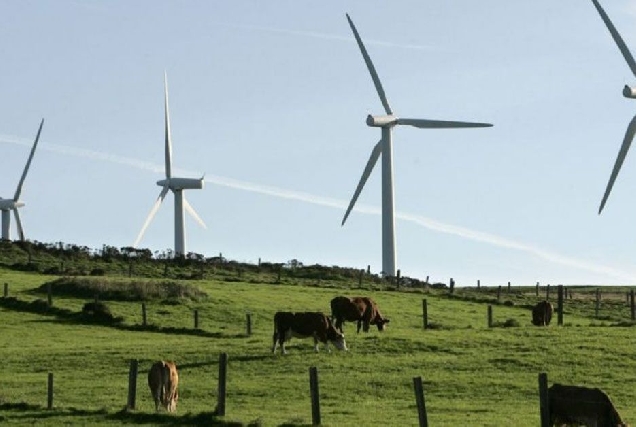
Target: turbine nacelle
10,204
381,121
629,92
181,183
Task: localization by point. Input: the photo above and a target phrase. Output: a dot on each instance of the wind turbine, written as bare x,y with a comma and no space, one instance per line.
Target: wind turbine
176,185
8,205
385,149
628,92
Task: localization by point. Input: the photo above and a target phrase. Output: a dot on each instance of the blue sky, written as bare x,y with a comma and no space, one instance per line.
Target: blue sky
269,100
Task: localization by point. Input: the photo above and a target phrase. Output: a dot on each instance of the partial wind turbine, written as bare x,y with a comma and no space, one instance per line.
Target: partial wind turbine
628,92
176,185
385,149
8,205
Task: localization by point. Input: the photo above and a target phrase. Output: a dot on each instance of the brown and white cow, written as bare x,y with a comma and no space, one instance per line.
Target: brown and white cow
542,313
163,380
574,405
304,325
357,309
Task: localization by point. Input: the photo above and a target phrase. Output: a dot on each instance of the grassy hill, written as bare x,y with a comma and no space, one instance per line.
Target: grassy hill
473,375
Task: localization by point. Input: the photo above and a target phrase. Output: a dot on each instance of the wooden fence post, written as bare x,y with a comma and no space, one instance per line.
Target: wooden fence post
360,278
143,314
598,301
489,316
132,384
537,290
631,303
220,405
315,396
544,407
478,284
368,269
560,305
425,313
427,279
498,293
196,319
508,287
451,284
6,290
49,393
398,278
248,323
547,293
419,398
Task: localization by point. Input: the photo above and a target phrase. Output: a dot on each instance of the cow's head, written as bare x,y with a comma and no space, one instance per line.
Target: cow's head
380,323
337,339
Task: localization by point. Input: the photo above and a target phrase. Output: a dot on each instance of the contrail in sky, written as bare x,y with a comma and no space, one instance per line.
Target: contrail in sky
300,196
326,36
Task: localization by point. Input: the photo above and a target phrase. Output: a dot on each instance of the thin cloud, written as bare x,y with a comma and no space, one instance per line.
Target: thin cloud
340,204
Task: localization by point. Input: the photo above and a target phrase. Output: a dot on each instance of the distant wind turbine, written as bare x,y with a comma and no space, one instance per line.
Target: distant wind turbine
8,205
177,185
628,92
384,148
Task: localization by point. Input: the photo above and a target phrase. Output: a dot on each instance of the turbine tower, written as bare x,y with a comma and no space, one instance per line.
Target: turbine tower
176,185
8,205
628,92
385,149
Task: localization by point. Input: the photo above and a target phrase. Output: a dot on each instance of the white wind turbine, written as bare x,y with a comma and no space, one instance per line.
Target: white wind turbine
384,148
628,92
177,185
8,205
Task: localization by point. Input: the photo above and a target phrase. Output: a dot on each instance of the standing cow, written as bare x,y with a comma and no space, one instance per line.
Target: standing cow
542,313
574,405
163,380
357,309
304,325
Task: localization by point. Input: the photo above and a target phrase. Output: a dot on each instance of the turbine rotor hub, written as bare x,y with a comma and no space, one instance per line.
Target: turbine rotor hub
381,121
629,92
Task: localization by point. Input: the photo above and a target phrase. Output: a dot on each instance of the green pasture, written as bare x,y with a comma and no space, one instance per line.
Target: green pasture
473,375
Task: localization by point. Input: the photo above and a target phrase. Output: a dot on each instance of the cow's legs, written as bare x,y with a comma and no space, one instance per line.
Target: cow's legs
359,325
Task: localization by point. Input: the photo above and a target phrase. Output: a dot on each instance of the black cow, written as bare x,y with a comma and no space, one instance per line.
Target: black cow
304,325
542,313
357,309
574,405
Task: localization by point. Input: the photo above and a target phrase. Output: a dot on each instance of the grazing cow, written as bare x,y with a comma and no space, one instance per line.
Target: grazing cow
163,380
573,405
357,309
304,325
542,313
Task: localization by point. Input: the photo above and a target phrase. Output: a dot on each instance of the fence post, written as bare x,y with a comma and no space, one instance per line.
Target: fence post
419,398
632,307
248,323
427,279
143,314
598,301
537,290
425,313
478,284
360,278
49,388
196,319
560,305
508,287
452,285
498,293
315,396
132,384
489,316
544,407
547,293
220,405
398,278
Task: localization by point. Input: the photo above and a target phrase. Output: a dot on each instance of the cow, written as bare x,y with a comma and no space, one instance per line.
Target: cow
163,380
574,405
357,309
542,313
304,325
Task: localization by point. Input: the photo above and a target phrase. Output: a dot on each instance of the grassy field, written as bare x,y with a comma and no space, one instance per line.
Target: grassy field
473,375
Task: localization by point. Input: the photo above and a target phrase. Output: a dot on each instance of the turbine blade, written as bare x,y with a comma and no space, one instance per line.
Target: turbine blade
377,150
627,141
28,163
374,74
167,119
617,37
440,124
188,207
18,224
151,215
